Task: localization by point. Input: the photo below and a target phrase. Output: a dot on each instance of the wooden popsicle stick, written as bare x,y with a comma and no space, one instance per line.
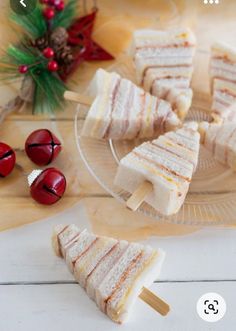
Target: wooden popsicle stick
216,119
138,196
79,98
154,301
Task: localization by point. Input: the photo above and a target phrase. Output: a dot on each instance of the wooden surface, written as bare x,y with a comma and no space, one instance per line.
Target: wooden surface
38,292
15,204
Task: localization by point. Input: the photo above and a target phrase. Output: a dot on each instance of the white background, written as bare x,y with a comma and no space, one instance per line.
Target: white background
38,293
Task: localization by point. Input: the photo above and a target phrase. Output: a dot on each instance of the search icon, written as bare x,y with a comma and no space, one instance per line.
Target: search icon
211,307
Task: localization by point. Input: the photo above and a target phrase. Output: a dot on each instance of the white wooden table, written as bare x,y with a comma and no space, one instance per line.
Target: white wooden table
37,292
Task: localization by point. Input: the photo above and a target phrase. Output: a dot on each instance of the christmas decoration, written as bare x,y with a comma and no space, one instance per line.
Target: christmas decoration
60,5
42,147
23,69
7,159
48,53
53,44
47,186
52,66
48,13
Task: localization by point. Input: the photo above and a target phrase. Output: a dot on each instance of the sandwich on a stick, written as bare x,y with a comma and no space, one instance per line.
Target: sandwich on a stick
162,168
121,110
220,140
164,65
223,78
113,272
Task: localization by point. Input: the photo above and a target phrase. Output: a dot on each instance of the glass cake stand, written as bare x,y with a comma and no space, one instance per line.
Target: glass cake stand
211,199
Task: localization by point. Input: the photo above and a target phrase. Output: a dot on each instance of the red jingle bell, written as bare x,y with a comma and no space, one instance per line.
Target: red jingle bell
42,147
7,159
47,186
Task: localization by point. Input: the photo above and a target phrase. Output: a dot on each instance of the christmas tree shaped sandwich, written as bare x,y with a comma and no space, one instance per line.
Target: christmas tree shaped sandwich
223,78
164,65
121,110
220,140
160,172
113,272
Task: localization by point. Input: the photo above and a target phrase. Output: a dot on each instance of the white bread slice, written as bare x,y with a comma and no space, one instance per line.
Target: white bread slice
144,65
220,140
229,115
123,105
224,96
224,136
80,247
149,38
174,76
170,161
164,61
88,262
55,242
223,50
98,118
179,98
223,78
112,279
96,278
165,197
153,162
63,237
145,272
220,69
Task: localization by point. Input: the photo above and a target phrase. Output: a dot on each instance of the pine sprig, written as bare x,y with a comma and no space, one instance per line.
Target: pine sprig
49,88
19,55
49,50
15,56
34,23
48,92
65,18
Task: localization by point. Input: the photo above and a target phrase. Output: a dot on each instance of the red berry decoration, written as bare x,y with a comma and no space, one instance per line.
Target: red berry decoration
52,66
49,13
47,186
23,69
7,159
48,53
42,147
60,5
44,2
